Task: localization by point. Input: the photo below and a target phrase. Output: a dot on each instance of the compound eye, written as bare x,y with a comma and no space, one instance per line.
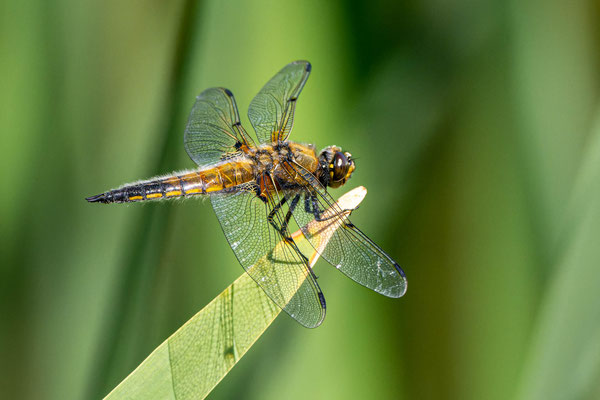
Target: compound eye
340,166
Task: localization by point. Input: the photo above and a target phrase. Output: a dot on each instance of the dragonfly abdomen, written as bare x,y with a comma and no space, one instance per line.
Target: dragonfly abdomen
205,181
148,190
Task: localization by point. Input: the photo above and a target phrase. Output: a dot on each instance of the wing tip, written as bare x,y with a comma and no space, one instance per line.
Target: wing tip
404,281
324,311
307,65
323,308
312,324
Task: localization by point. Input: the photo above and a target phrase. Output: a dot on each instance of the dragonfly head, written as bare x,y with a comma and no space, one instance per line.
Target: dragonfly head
336,166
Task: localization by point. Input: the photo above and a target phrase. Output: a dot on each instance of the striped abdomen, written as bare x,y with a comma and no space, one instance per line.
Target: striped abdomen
204,181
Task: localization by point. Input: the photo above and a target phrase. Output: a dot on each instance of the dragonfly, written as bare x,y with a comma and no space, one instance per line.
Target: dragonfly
258,186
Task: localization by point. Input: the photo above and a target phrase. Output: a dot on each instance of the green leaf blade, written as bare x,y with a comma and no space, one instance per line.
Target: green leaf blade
192,361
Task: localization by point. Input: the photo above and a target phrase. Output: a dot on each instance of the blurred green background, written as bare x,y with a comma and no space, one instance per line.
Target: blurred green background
477,128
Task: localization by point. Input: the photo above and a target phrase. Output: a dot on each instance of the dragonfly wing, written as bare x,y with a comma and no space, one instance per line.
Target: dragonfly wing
349,249
271,112
214,131
274,263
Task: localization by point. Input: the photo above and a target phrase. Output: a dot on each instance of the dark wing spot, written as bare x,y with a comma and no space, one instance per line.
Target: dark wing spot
322,300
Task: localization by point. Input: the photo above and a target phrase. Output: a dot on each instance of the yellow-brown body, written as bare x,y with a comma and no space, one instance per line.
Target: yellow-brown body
266,167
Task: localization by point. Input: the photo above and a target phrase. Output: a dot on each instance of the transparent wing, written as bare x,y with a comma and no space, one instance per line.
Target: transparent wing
271,112
349,250
284,273
213,131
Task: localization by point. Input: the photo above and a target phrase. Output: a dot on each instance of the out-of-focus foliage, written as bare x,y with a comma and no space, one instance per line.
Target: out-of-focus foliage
475,128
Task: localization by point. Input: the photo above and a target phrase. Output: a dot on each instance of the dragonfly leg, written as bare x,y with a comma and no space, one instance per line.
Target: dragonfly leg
310,208
292,207
283,228
274,211
317,213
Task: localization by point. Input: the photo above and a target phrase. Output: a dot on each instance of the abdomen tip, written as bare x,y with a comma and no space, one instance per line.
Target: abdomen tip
99,198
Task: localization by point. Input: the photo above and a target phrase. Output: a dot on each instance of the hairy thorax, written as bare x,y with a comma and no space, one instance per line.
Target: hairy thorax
271,163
